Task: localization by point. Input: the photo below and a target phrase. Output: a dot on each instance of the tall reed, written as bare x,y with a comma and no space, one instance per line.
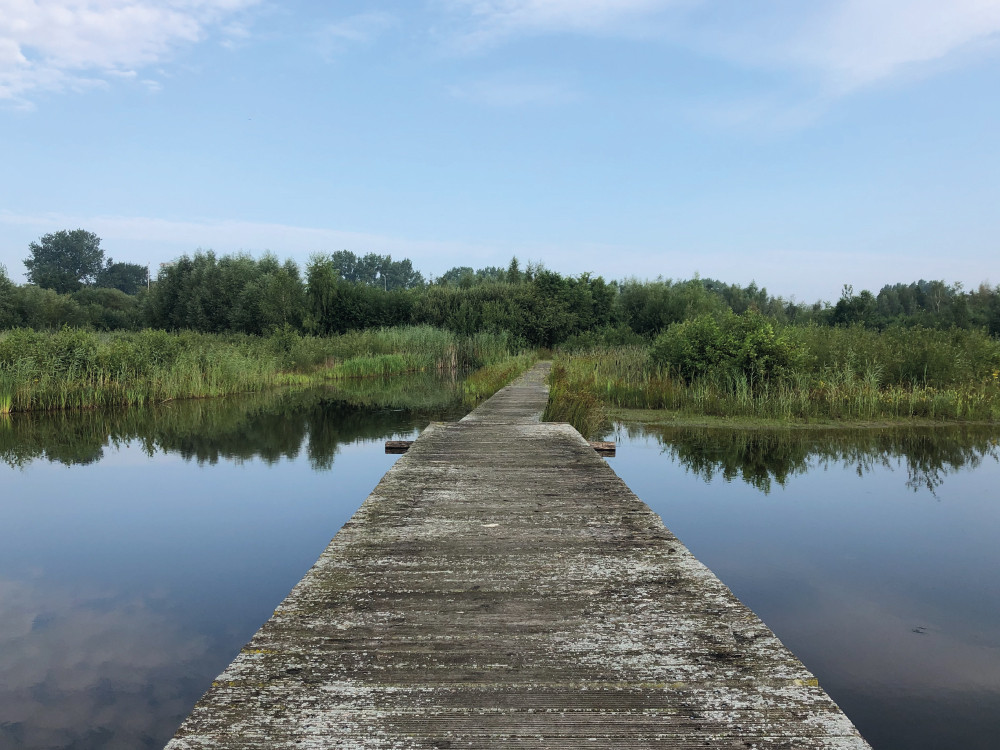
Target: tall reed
74,368
840,389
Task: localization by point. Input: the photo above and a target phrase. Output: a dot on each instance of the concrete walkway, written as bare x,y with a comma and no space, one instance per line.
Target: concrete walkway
503,588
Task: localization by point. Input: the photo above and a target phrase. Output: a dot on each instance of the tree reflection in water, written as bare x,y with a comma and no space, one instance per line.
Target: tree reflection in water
269,426
762,457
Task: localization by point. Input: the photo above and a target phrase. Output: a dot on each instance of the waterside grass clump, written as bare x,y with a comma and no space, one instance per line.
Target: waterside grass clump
74,368
834,375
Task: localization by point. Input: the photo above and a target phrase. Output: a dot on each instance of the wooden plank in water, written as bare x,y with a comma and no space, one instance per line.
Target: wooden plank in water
502,587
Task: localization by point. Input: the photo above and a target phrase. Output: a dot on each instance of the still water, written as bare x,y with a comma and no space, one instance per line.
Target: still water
139,551
874,555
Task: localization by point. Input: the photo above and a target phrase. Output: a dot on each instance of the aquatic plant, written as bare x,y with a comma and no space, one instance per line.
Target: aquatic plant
831,381
74,368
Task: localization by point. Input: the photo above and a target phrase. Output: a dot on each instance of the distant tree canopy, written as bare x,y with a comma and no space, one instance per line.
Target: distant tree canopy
466,276
65,260
231,293
73,284
376,270
125,277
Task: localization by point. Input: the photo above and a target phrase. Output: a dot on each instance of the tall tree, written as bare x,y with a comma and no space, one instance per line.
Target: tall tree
65,260
125,277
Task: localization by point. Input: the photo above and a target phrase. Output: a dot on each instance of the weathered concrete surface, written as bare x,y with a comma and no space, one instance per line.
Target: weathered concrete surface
502,587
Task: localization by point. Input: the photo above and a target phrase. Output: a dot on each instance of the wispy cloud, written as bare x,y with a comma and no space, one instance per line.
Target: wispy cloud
488,22
859,42
845,44
60,44
360,29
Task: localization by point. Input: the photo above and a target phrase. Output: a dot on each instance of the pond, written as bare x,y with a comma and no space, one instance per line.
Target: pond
140,550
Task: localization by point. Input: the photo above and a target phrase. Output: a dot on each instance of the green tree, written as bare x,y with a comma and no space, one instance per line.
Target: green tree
8,316
125,277
65,260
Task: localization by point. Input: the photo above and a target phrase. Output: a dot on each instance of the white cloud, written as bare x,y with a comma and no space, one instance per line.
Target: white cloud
858,42
56,44
81,660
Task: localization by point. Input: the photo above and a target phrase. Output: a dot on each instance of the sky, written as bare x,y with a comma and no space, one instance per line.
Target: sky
799,145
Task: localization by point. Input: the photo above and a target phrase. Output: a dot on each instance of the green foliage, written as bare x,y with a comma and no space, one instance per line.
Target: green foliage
232,293
651,307
74,368
65,260
335,305
8,292
828,379
744,346
574,401
125,277
108,309
542,312
375,270
901,356
607,337
44,309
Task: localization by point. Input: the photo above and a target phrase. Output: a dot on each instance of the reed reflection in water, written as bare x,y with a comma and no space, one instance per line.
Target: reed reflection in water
872,554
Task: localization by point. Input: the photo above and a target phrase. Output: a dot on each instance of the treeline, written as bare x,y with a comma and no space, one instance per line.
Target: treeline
341,292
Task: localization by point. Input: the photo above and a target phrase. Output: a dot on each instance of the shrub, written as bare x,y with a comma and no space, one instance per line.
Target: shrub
743,346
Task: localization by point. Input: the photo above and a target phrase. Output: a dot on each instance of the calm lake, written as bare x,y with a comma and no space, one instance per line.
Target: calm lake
140,550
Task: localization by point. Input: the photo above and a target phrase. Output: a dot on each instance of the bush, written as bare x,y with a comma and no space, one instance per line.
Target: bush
729,345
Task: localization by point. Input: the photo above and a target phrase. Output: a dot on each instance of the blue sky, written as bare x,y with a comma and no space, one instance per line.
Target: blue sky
799,145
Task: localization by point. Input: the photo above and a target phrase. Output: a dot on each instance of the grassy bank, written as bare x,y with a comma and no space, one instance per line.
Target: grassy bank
72,368
836,376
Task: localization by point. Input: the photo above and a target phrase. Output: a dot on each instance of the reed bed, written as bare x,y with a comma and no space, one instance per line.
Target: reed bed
76,369
830,387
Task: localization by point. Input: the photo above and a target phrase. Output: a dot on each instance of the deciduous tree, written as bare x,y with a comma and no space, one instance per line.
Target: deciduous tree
65,260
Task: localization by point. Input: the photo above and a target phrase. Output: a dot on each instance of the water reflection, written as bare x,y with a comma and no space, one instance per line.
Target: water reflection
766,457
88,669
269,426
872,554
139,550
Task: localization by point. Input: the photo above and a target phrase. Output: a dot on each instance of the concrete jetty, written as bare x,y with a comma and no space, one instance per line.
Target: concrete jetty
502,588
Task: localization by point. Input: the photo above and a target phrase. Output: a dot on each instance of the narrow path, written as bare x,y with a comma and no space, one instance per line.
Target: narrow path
502,588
